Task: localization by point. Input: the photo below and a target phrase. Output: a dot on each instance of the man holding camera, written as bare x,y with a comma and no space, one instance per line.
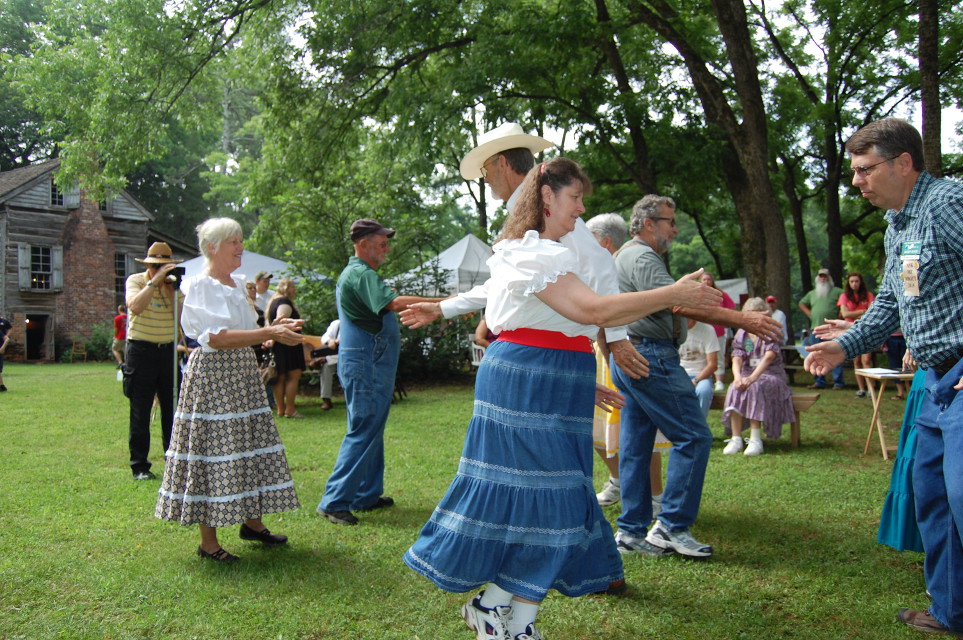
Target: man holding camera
152,332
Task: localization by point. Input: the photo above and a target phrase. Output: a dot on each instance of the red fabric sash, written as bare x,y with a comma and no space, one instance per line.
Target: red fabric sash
547,340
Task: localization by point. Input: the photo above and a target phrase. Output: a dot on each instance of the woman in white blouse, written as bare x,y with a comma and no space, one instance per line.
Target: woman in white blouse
226,464
521,515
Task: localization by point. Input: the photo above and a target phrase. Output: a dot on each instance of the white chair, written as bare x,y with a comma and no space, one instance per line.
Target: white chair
477,353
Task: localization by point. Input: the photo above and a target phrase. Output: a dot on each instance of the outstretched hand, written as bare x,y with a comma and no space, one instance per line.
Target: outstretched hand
690,292
419,314
833,328
760,323
824,357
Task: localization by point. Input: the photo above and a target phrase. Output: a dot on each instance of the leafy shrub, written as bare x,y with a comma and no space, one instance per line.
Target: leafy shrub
98,344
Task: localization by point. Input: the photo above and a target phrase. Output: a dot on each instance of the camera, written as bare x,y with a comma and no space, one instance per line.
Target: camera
175,275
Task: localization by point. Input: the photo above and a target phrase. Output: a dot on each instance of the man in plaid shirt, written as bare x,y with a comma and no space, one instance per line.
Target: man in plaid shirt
922,291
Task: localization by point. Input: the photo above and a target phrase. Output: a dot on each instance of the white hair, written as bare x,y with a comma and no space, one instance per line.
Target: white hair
755,304
215,231
609,225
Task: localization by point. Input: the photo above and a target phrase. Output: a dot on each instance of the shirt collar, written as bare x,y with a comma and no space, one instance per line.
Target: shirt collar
910,209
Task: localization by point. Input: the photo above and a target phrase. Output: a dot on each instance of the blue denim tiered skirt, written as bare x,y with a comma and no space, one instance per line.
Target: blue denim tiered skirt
521,511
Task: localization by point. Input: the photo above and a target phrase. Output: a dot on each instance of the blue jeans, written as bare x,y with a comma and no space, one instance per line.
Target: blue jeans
837,372
665,400
703,392
938,485
367,365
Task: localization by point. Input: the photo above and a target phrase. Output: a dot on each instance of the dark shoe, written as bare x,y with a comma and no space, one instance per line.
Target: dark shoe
923,621
382,503
3,387
838,387
816,386
339,517
144,475
326,404
218,556
860,394
269,539
616,588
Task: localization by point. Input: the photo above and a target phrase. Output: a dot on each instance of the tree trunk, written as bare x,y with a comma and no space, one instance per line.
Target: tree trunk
929,55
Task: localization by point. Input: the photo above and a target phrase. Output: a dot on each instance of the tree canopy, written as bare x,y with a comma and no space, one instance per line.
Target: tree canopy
301,116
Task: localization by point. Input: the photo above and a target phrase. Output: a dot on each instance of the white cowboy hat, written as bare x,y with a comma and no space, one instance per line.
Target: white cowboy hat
508,136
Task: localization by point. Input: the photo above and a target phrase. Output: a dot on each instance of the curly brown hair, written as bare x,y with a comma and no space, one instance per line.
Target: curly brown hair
529,212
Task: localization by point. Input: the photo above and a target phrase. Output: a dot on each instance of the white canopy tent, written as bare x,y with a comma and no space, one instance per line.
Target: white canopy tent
464,262
251,264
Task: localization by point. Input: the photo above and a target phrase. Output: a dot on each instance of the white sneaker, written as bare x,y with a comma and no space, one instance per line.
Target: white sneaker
609,495
488,624
734,446
754,448
627,545
530,633
681,542
719,386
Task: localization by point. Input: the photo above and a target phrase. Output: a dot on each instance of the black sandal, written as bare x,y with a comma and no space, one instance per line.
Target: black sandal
218,556
266,537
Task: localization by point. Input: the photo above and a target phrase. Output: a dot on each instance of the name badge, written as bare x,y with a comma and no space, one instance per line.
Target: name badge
909,256
754,362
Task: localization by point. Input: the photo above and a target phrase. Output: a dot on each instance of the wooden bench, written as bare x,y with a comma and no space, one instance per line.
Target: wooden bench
800,402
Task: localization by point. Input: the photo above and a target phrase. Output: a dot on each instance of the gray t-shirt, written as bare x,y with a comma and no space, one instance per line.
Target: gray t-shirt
640,268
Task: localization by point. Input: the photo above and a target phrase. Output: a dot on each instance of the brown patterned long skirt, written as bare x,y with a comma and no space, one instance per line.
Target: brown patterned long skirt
226,462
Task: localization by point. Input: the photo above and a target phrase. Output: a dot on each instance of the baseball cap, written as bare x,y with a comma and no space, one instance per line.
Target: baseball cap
366,227
262,275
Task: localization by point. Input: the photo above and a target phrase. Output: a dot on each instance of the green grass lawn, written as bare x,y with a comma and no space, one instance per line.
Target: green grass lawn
81,555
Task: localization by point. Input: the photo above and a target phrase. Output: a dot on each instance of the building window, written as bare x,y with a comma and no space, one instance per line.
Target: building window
120,274
41,268
56,195
41,273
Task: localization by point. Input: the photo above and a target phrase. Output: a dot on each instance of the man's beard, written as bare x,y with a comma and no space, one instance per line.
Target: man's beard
823,289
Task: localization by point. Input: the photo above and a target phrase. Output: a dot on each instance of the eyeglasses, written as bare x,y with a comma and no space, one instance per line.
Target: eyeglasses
671,221
862,172
484,167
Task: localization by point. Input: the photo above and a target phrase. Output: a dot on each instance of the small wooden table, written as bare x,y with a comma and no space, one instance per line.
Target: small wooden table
884,376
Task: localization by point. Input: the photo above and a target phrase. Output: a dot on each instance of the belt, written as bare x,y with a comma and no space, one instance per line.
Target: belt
148,343
949,361
640,340
546,339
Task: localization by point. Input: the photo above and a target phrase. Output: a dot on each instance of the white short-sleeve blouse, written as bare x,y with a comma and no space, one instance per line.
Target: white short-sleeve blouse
211,307
521,268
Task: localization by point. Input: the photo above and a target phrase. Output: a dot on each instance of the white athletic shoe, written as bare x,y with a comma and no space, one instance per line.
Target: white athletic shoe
609,495
681,542
719,386
734,446
754,448
488,624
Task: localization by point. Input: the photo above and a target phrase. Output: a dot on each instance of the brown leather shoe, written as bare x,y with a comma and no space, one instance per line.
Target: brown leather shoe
923,621
326,404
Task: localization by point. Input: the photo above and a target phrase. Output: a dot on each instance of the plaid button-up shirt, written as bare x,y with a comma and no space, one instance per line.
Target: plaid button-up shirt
933,321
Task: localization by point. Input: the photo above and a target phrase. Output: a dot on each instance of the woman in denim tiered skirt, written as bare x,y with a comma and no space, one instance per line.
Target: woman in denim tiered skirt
521,515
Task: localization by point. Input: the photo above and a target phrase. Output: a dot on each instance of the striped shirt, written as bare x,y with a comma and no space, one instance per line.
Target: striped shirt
932,321
156,322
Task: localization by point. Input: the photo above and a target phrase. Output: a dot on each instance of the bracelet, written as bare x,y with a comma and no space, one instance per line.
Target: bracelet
150,283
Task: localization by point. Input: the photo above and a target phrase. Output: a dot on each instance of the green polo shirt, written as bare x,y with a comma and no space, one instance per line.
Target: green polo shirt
363,295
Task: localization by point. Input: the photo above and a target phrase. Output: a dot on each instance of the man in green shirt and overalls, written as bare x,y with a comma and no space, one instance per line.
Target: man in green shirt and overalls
819,305
367,363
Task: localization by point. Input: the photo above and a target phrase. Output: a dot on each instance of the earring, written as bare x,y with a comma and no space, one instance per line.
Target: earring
548,214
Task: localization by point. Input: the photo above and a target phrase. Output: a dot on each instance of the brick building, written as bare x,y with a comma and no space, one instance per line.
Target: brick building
65,259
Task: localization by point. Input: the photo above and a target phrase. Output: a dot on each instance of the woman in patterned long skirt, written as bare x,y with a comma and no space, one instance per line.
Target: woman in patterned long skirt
521,515
226,464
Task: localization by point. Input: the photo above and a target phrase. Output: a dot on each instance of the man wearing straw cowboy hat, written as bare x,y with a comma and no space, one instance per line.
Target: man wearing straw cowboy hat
149,365
503,157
